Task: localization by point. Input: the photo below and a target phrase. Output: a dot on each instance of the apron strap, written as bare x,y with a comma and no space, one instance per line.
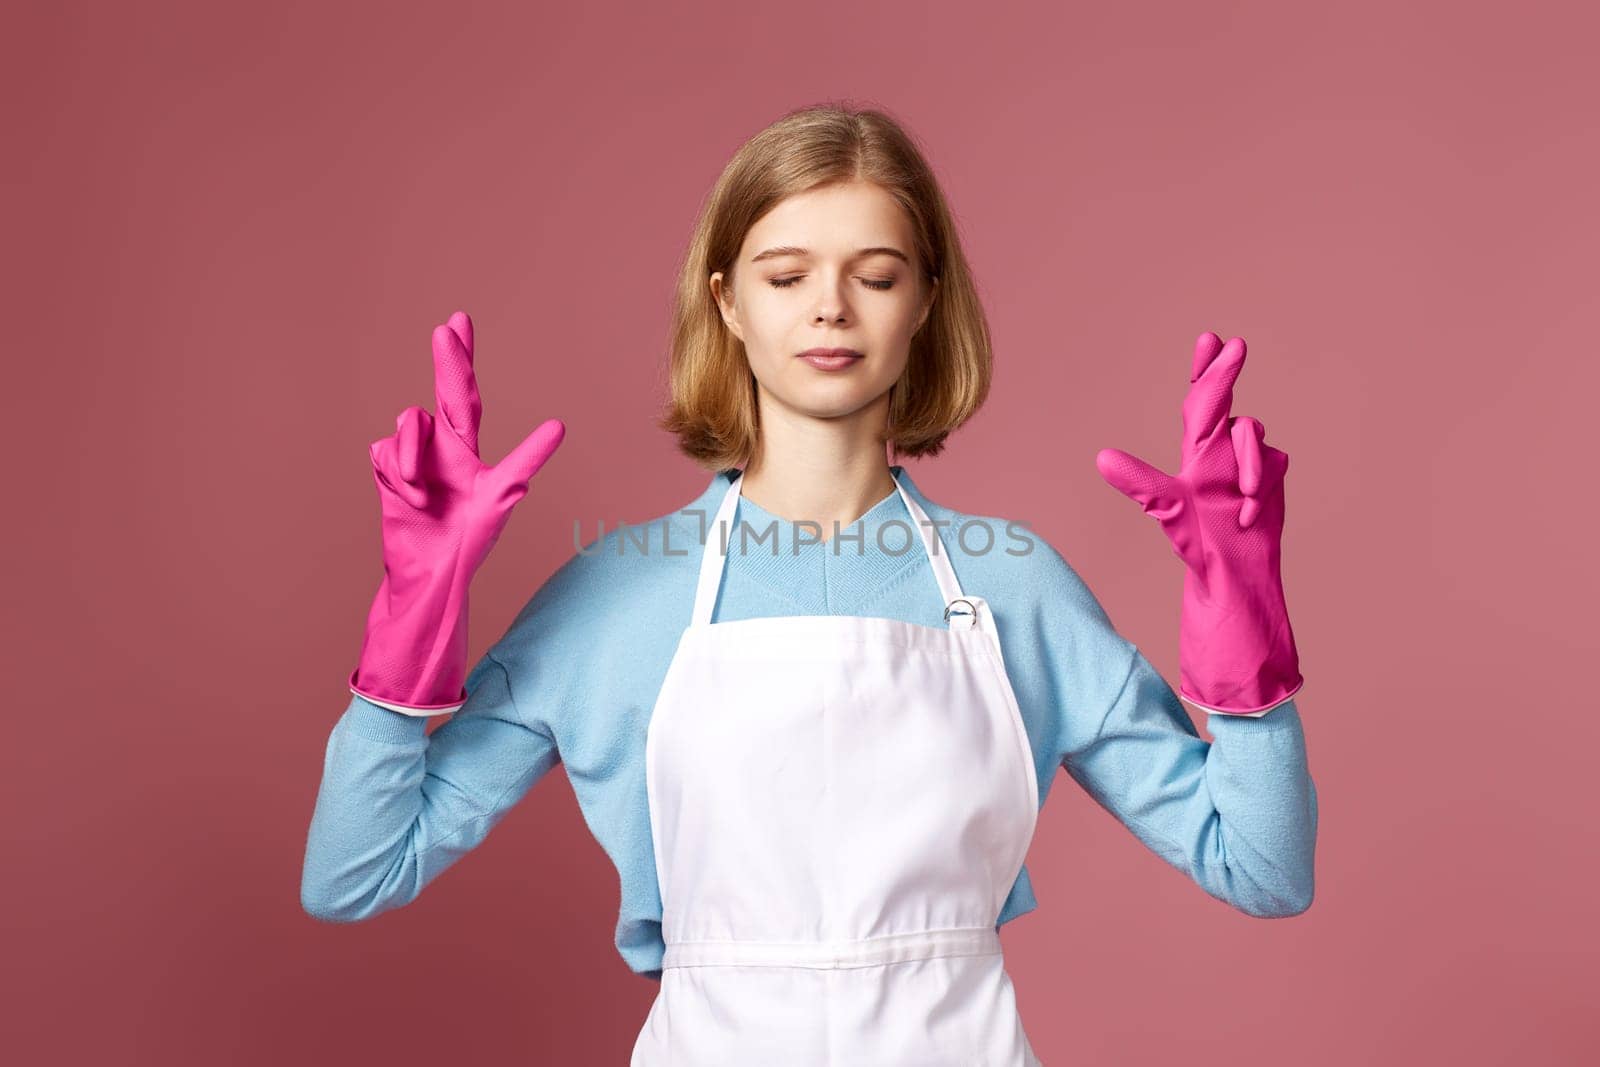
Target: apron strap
715,555
933,544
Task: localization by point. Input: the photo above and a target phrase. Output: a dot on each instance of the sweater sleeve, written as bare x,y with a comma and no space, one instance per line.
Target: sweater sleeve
397,806
1237,814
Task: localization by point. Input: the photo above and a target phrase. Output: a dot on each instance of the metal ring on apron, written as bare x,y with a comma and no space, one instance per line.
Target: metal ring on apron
973,614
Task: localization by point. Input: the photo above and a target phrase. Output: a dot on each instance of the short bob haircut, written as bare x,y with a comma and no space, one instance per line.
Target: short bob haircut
712,406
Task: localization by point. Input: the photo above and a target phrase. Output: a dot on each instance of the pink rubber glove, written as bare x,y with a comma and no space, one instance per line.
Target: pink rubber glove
442,512
1223,512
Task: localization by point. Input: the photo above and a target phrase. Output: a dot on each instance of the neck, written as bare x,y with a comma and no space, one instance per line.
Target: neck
824,471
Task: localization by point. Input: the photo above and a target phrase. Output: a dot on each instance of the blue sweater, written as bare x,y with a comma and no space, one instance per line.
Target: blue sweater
575,678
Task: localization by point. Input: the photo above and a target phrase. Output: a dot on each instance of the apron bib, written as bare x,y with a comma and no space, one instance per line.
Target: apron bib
839,807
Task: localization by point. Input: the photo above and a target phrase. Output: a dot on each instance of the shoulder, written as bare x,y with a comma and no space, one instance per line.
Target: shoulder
598,632
1067,661
632,570
1006,561
631,573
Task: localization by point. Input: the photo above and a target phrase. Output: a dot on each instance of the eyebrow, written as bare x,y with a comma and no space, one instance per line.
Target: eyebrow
791,250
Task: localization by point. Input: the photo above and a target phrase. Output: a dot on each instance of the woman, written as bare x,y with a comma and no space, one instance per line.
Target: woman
812,715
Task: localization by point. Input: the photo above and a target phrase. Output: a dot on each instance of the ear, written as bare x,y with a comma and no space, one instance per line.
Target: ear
724,301
927,306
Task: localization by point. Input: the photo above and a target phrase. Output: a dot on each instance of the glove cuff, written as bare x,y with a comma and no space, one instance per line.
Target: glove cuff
1235,708
419,710
414,656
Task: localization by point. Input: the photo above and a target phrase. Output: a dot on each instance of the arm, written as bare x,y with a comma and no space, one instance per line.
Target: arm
1238,814
397,806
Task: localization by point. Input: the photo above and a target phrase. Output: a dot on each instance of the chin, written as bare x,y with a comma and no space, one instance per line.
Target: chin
824,399
821,398
833,407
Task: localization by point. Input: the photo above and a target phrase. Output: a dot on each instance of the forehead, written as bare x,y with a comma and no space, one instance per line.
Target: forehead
832,220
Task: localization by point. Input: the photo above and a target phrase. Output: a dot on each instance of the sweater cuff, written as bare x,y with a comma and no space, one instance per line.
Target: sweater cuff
378,723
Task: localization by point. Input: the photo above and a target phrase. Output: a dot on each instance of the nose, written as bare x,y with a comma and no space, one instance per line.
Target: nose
830,307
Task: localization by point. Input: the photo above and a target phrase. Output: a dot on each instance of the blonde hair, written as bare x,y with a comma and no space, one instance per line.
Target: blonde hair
712,405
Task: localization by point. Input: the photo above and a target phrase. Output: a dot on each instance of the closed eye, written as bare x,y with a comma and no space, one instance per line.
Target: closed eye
870,283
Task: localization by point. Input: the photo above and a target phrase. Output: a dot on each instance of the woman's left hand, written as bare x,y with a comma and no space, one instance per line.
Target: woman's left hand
1223,512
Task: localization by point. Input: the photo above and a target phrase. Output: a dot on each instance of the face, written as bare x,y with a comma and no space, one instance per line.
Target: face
834,267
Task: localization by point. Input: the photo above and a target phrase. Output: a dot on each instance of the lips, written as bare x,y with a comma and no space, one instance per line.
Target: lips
830,353
831,359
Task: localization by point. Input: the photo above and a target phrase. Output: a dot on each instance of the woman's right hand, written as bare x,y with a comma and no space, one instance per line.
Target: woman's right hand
443,510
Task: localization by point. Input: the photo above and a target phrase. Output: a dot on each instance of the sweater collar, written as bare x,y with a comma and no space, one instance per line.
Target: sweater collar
845,573
887,508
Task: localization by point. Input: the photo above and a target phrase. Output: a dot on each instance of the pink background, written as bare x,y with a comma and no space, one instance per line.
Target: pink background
231,234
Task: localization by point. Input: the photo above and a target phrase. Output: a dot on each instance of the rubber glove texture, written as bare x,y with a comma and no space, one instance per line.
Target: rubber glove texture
1223,512
442,511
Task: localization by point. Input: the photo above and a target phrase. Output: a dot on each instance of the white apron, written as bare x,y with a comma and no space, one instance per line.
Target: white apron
839,806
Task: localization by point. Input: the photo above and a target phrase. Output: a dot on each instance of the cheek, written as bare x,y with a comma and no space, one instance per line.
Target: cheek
891,372
765,317
899,319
